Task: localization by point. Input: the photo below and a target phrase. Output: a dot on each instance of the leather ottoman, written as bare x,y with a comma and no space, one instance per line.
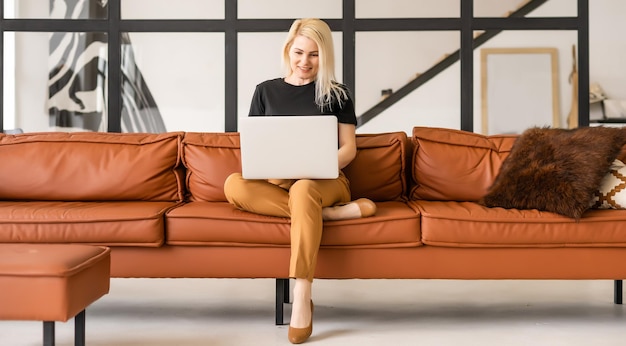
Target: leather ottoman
52,282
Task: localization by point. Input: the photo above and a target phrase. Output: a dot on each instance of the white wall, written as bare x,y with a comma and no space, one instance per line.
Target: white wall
185,70
186,77
607,46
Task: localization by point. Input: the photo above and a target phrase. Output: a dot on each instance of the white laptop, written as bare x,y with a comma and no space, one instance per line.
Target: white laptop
289,147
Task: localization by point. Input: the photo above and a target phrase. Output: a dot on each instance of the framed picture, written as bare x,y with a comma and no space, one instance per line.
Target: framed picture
519,89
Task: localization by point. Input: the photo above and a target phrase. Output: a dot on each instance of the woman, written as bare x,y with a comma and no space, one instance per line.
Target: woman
308,88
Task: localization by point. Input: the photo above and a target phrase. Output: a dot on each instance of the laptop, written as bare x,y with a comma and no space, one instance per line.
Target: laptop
289,147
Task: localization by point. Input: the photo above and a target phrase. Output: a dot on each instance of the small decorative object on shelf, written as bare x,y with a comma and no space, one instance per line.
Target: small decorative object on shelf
605,110
385,93
596,93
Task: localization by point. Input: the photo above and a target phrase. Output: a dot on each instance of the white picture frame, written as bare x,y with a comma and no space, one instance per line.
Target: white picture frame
519,89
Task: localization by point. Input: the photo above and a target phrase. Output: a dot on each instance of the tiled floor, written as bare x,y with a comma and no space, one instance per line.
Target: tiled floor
194,312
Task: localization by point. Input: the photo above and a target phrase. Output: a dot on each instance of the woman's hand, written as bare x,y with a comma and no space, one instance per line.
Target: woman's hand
282,183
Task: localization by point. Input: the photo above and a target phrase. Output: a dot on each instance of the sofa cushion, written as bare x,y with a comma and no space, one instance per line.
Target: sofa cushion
210,158
135,223
395,224
555,170
377,172
90,166
454,165
468,224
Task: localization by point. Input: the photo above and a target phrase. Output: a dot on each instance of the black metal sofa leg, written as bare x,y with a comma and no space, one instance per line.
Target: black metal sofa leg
617,292
282,297
48,333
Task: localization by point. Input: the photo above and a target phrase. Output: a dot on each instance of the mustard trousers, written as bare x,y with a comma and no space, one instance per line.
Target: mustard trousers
302,201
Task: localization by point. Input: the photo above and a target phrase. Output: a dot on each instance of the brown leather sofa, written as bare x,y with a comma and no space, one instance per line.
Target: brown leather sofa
157,201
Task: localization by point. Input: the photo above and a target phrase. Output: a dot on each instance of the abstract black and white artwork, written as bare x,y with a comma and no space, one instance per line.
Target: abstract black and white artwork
78,70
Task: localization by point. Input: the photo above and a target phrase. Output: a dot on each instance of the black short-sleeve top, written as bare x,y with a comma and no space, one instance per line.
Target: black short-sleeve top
277,97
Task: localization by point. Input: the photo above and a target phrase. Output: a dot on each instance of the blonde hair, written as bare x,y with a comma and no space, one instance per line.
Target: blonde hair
327,89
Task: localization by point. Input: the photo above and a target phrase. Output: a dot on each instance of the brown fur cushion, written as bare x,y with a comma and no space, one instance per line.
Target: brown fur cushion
555,170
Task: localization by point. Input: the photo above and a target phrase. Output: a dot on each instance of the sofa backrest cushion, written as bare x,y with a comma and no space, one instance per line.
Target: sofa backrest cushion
91,166
454,165
377,172
210,158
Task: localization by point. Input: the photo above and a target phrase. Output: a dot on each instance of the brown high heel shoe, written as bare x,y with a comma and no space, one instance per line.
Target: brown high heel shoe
367,207
300,335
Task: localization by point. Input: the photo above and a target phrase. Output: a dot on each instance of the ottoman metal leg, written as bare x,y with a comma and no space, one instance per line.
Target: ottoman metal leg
48,333
79,331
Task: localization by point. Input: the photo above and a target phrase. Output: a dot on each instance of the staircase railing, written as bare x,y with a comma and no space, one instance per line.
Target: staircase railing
440,66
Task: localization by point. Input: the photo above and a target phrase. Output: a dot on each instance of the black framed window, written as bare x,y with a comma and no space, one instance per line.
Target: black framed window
132,104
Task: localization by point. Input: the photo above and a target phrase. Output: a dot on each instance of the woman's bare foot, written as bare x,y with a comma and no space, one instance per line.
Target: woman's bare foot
359,208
